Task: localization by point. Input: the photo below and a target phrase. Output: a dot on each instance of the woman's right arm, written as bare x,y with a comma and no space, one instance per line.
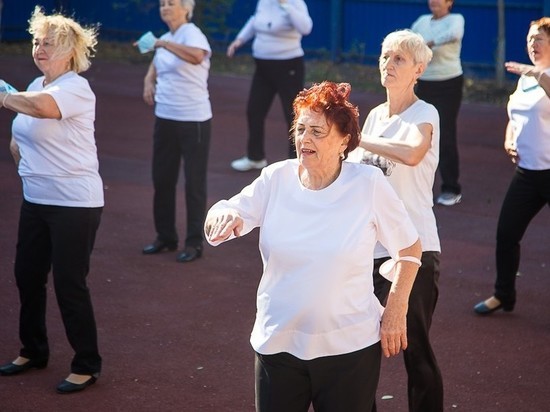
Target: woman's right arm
35,104
246,33
149,85
220,224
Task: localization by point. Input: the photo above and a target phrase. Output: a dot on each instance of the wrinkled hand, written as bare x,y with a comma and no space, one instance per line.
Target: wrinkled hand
149,90
520,68
393,331
235,44
511,151
219,226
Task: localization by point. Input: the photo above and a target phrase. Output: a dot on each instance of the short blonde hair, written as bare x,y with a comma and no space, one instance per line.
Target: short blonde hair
409,42
69,37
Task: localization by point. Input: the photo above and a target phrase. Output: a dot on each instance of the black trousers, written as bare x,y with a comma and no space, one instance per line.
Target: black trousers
271,77
527,194
174,140
60,238
424,383
346,382
446,96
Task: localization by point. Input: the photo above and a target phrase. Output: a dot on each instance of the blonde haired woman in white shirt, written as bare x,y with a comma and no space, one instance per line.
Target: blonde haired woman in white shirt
54,147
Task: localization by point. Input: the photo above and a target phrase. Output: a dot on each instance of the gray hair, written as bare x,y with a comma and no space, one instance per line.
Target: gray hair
409,42
190,6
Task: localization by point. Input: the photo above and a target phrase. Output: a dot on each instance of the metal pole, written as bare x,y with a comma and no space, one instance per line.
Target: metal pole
335,29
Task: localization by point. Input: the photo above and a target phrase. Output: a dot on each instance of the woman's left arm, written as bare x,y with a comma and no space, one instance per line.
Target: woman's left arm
393,331
409,152
193,55
35,104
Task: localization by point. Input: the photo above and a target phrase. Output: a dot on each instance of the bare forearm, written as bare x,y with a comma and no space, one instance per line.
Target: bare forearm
192,55
34,104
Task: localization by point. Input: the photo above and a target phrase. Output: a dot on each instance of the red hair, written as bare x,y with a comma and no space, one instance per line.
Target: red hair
331,99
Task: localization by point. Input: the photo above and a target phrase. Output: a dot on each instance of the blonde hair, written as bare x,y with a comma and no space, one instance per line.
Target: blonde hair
409,42
68,37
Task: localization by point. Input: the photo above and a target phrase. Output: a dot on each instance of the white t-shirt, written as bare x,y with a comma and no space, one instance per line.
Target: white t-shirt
59,164
277,29
182,87
413,184
316,297
529,113
447,34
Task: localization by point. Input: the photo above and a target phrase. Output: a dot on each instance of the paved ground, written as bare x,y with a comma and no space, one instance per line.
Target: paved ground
174,337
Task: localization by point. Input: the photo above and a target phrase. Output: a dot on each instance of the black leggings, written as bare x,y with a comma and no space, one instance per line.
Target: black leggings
527,194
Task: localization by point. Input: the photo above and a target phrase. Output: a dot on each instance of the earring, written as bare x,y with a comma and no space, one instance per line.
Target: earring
342,156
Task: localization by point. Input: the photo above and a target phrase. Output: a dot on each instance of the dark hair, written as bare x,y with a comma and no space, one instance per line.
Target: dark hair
331,99
543,24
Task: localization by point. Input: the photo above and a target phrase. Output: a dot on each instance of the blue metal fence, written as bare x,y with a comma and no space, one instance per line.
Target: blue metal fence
343,29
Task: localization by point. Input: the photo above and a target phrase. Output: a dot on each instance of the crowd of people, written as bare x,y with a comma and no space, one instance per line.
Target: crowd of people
348,217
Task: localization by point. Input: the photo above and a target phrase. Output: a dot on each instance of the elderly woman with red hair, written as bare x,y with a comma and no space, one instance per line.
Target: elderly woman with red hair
320,330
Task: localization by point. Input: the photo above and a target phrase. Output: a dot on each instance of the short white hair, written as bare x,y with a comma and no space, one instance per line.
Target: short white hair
409,42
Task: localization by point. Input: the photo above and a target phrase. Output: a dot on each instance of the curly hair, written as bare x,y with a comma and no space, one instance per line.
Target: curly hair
332,100
69,37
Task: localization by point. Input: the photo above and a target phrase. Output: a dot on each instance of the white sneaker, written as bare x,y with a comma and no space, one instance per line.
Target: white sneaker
244,164
449,199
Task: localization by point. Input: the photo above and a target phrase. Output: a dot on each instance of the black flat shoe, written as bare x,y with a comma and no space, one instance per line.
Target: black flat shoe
189,254
13,369
159,246
69,387
482,309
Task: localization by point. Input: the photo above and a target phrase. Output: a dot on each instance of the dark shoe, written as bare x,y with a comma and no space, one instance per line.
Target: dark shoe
13,369
159,246
482,308
189,254
69,387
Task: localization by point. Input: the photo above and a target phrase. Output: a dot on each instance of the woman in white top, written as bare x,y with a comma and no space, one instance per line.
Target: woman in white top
527,142
54,147
277,27
401,136
317,332
441,85
177,84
